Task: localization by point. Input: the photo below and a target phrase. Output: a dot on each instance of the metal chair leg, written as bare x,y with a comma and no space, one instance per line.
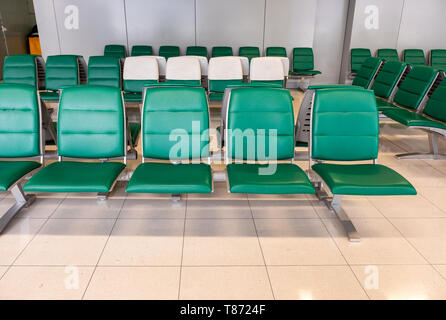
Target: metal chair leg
433,154
22,201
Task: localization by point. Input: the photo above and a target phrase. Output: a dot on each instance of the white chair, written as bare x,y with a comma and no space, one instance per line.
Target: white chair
204,64
223,72
138,72
184,69
269,70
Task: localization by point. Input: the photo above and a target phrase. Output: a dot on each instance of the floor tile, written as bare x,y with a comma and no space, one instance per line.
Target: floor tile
218,209
88,208
435,196
289,209
153,209
354,207
145,243
42,208
222,283
135,283
441,268
315,283
45,282
220,192
406,207
3,270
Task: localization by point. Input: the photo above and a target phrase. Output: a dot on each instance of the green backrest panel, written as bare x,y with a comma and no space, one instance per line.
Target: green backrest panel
104,71
388,54
436,106
19,121
365,75
197,51
273,110
357,57
178,111
387,78
169,51
276,52
141,51
221,52
438,59
416,84
345,125
91,122
115,50
137,85
303,59
414,57
20,69
221,85
61,71
249,52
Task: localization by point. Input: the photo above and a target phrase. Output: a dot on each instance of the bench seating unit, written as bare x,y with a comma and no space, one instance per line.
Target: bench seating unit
249,52
267,70
255,145
169,51
91,126
388,54
414,57
386,81
223,72
20,142
221,52
115,50
185,70
367,73
197,51
357,58
141,51
175,123
345,128
105,71
24,69
138,73
438,59
303,63
276,52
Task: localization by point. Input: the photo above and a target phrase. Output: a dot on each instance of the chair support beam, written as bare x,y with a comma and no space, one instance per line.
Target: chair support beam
22,201
433,154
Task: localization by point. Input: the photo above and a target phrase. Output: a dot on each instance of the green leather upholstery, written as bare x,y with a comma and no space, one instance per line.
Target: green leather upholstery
414,57
197,51
388,78
61,71
221,52
12,171
141,51
20,69
135,129
303,61
388,54
49,95
137,86
363,179
249,52
70,176
365,74
217,87
91,122
276,52
103,70
169,51
358,57
115,50
269,83
436,106
438,59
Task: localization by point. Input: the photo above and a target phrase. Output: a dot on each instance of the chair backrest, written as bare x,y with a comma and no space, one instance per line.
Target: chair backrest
245,65
276,52
345,125
249,52
139,71
91,123
175,123
414,57
115,50
438,59
141,51
251,137
221,52
103,70
169,51
436,106
357,58
61,71
20,69
197,51
365,75
204,64
20,134
303,59
388,78
224,71
415,86
388,54
185,68
266,69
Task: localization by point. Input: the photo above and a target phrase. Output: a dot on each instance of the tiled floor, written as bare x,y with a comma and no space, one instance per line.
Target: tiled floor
224,246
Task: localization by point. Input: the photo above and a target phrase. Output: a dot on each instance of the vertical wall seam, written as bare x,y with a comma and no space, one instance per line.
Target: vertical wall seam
399,25
264,26
126,27
57,28
195,22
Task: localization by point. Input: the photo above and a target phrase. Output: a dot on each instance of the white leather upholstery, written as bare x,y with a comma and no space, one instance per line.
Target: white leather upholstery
161,65
183,68
245,65
266,68
286,66
141,68
204,64
225,68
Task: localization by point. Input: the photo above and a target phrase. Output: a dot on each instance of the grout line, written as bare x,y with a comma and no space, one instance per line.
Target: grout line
182,250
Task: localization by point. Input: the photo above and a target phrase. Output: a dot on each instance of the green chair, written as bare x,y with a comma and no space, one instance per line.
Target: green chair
386,81
365,76
357,57
138,73
105,71
169,51
197,51
115,50
388,54
141,51
183,70
256,144
175,123
438,59
221,52
303,62
24,69
223,72
414,57
91,126
276,52
345,128
249,52
20,142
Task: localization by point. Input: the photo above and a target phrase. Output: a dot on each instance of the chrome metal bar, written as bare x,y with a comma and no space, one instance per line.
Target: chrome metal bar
22,201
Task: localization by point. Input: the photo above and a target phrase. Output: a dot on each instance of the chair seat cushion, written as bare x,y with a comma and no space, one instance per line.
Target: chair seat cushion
363,179
306,72
135,129
215,96
153,177
287,179
132,96
412,119
385,105
49,95
12,171
72,176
